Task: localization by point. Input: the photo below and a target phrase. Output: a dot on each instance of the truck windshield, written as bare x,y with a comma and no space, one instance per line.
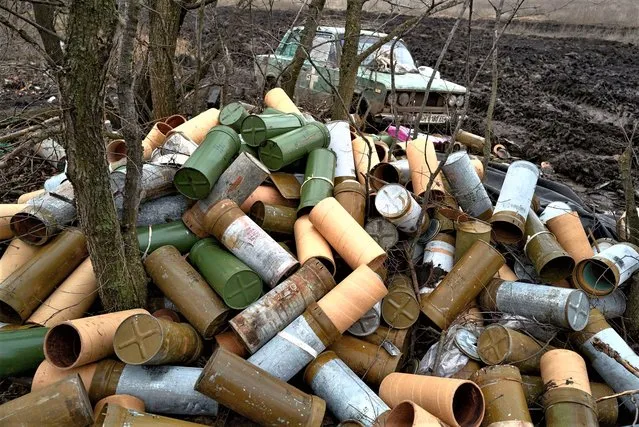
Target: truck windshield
380,59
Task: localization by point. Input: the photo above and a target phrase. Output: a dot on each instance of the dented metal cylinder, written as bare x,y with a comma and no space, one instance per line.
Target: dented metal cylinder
253,393
288,352
551,262
465,185
247,241
346,395
64,403
343,148
236,183
604,272
145,340
440,252
234,281
503,394
567,406
463,284
566,308
396,204
25,289
498,345
318,179
513,204
184,286
261,321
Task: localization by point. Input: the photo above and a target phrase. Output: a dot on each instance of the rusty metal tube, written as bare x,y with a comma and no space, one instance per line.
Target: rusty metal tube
513,204
25,289
257,395
566,308
145,340
236,183
274,218
567,406
295,346
467,233
551,262
604,272
247,241
463,284
64,403
262,320
466,186
397,172
352,196
188,290
346,395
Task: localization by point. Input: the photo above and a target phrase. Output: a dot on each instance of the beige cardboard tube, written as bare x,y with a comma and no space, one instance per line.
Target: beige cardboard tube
70,300
455,402
506,273
422,161
310,244
6,212
48,374
124,400
408,414
345,235
197,128
347,302
278,99
78,342
267,195
116,150
155,138
15,256
175,120
30,195
571,235
564,368
361,151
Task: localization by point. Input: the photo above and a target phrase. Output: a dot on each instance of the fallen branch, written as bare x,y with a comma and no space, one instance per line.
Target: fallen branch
22,132
616,395
34,138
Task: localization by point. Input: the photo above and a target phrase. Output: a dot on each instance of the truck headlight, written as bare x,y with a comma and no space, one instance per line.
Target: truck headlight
403,99
451,100
460,100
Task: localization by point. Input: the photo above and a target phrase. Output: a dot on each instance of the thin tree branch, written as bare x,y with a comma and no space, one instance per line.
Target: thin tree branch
33,23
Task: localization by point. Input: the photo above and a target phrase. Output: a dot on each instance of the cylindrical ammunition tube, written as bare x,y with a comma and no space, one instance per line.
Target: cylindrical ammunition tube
400,308
440,252
257,395
423,162
498,345
611,305
276,219
21,350
368,323
346,395
463,284
566,308
112,415
466,187
247,241
284,149
262,320
513,204
256,129
343,148
184,286
318,179
395,204
551,262
604,272
352,196
467,233
25,289
174,233
232,115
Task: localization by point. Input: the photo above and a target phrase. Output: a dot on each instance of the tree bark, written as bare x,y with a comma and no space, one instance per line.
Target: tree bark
290,75
349,63
91,27
45,17
164,27
133,135
488,137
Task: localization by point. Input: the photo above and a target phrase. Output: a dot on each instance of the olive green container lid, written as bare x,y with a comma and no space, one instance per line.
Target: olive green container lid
318,179
400,308
285,149
174,233
21,350
232,115
234,281
256,129
200,172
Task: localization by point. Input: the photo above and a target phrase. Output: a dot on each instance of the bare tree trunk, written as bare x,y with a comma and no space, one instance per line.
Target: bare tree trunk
289,77
163,33
91,28
133,135
45,17
349,63
493,90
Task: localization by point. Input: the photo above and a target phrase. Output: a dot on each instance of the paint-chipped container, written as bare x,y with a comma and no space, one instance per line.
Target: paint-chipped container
466,186
440,252
498,345
551,262
383,232
261,321
343,148
274,218
145,340
232,115
396,204
257,129
282,150
174,233
253,393
604,272
513,204
400,308
196,177
247,241
352,196
318,179
463,284
234,281
368,323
